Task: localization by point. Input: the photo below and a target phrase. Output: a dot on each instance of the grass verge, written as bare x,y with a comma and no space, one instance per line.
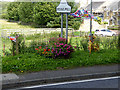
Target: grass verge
30,62
12,25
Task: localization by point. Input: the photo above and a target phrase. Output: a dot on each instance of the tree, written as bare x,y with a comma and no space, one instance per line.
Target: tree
26,12
12,11
72,22
40,14
44,12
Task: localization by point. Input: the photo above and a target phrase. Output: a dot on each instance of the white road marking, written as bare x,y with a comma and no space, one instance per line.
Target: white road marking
70,82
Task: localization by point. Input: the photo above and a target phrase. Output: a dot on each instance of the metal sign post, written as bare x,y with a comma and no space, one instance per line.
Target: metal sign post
62,8
90,35
62,25
66,27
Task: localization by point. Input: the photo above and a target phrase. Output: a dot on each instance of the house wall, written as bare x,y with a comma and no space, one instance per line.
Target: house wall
110,14
105,15
119,17
108,17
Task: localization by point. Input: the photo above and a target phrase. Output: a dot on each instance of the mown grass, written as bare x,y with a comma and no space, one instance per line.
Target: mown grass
31,62
12,25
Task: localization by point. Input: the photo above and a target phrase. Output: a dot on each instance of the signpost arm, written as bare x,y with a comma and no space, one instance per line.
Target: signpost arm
66,27
62,25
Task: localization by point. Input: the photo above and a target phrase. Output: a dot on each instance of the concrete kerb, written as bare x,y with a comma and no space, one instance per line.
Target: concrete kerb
59,79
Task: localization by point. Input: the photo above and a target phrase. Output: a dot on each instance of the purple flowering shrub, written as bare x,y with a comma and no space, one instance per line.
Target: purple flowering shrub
60,48
56,47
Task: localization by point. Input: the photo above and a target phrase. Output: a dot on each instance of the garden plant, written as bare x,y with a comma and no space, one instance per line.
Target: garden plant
55,54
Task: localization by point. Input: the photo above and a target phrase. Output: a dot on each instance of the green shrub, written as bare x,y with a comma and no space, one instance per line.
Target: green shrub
57,47
109,43
99,20
44,12
19,43
26,12
12,11
105,22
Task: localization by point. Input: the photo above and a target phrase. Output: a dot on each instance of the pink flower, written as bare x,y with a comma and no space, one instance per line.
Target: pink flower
59,52
75,46
68,51
64,45
56,51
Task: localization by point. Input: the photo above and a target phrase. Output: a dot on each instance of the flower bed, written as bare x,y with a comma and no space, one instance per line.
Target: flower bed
57,53
56,47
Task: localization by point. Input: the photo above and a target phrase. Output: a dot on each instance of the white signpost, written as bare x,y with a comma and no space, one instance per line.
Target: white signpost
62,8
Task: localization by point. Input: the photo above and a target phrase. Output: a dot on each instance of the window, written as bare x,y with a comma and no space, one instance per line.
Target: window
108,31
118,13
97,30
103,30
114,13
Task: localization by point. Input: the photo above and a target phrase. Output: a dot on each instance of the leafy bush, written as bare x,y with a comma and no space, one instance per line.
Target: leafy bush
44,12
57,47
109,43
12,11
41,14
57,40
99,20
114,27
84,43
18,44
105,22
26,12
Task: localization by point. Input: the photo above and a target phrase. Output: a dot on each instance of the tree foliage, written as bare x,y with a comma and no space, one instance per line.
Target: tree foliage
26,12
40,14
12,11
44,12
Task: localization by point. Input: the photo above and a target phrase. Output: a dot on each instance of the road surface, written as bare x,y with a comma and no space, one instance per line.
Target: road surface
110,82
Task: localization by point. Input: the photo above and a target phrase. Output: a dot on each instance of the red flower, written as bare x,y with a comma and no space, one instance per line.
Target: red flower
44,50
48,49
36,49
40,47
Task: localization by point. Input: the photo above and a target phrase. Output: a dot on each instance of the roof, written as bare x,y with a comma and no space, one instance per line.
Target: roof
112,5
95,6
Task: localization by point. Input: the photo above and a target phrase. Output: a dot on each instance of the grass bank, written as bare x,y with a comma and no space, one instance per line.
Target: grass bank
12,25
31,62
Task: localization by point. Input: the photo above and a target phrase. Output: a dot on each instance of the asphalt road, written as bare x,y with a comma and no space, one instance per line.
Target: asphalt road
111,82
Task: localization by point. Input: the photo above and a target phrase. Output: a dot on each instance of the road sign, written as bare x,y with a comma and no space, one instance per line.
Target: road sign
63,7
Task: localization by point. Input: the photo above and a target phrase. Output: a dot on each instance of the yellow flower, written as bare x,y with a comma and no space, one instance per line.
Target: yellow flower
22,71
